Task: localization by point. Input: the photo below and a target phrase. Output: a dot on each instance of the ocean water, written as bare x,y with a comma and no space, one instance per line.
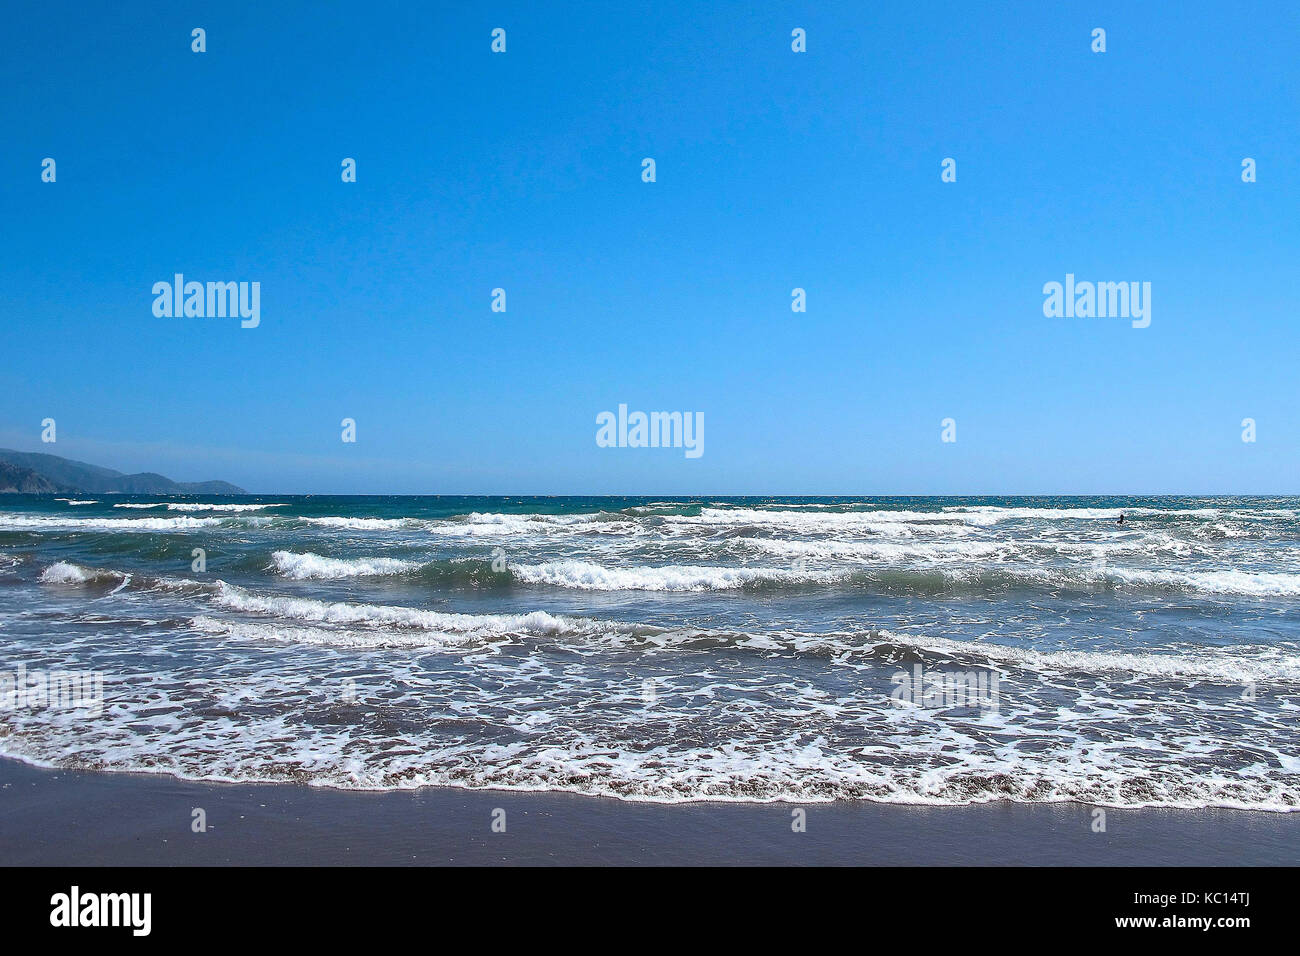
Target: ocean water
916,650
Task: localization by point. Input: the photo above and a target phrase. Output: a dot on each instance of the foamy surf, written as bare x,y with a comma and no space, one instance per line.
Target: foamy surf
64,572
585,575
929,651
374,615
128,525
308,566
233,507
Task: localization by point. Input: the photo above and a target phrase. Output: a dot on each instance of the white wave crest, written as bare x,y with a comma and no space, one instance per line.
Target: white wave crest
586,576
186,506
378,615
64,572
308,566
184,523
1247,583
988,514
197,506
324,636
1239,665
362,524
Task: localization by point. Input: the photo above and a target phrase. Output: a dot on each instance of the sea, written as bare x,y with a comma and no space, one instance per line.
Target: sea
917,650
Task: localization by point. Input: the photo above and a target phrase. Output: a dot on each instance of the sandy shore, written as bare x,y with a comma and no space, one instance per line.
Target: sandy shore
59,817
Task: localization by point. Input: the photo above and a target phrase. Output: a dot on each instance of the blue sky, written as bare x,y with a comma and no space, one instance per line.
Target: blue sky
775,170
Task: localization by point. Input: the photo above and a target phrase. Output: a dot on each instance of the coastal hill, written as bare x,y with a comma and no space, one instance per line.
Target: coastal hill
23,481
24,472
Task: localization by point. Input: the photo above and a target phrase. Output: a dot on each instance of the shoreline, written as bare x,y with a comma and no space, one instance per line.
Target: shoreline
55,817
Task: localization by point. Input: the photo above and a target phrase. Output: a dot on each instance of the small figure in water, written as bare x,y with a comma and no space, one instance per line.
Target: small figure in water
1121,518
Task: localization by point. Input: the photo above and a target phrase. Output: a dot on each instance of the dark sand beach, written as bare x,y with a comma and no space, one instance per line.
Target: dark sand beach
76,818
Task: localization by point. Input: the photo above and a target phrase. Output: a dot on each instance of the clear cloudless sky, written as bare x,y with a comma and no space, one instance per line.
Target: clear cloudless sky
775,170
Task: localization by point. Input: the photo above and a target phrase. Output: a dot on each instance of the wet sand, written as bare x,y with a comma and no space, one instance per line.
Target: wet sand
78,818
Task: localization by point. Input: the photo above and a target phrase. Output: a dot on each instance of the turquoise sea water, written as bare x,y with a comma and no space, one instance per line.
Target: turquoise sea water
925,650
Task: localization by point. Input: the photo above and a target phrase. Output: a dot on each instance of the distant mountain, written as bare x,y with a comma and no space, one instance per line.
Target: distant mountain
34,473
23,481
